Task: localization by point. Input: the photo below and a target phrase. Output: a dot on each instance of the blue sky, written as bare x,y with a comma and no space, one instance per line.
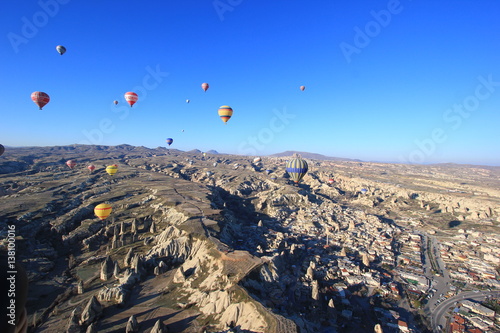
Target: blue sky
399,81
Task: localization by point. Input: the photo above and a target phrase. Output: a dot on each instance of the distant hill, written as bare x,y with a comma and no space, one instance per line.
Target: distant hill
214,152
313,156
194,151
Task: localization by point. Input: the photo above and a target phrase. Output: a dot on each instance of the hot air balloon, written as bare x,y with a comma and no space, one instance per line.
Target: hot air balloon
296,168
331,181
2,150
187,100
257,160
204,86
71,164
61,49
102,211
115,102
215,164
302,88
91,168
225,112
131,98
169,141
112,169
40,98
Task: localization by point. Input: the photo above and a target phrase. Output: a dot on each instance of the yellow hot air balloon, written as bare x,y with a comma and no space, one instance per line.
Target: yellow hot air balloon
102,211
111,169
225,112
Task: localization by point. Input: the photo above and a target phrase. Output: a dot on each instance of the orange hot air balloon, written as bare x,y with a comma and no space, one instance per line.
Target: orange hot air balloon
40,98
102,211
131,98
91,168
204,86
71,164
302,88
225,112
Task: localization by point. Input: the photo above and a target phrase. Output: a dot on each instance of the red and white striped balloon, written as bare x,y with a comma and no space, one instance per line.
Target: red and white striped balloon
131,98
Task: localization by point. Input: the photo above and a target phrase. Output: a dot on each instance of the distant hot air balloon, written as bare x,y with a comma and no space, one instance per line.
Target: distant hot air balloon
215,164
204,86
169,141
131,98
182,131
112,169
204,154
2,150
61,49
331,181
257,160
71,164
40,98
102,211
187,101
297,168
115,102
225,112
302,88
91,168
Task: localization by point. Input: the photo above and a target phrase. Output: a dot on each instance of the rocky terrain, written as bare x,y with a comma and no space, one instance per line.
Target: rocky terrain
217,243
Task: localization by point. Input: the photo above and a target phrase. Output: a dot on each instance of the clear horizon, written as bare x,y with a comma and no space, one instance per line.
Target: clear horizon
394,81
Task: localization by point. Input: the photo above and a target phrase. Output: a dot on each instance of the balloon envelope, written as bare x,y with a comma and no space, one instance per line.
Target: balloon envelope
115,102
111,169
297,169
40,98
257,159
204,86
102,211
71,164
302,88
169,141
225,113
187,100
331,181
61,49
91,167
131,98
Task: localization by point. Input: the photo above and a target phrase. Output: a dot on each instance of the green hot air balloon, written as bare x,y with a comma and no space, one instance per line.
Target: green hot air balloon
296,168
